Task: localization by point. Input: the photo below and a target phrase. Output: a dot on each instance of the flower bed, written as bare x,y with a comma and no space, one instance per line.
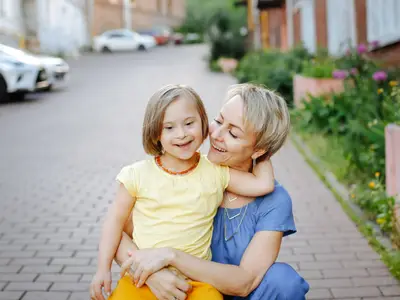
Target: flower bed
357,117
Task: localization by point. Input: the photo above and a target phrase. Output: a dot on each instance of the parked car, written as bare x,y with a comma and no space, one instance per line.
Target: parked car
57,68
9,77
122,40
20,76
177,38
161,34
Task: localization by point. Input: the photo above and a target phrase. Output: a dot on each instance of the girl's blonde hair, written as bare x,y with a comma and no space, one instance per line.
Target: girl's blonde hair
155,112
267,114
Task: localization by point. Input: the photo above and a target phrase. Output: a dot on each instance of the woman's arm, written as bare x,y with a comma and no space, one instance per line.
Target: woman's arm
258,183
230,279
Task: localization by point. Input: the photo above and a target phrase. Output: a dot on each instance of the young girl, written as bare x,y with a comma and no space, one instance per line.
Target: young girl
175,194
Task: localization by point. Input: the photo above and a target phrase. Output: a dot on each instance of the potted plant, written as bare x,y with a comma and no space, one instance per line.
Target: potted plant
318,77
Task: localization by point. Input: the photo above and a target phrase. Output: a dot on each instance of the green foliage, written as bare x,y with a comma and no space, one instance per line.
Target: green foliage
199,13
359,116
319,68
371,196
224,35
273,68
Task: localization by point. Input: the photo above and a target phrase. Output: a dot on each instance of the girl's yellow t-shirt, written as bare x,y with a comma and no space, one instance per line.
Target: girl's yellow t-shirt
175,211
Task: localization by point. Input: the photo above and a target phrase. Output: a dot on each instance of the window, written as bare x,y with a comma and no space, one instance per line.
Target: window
383,23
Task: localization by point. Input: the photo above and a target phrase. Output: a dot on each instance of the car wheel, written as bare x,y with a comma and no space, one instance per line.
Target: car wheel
105,49
19,96
48,89
4,96
142,48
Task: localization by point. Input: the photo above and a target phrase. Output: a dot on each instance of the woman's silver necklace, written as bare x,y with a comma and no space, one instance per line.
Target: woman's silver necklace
226,215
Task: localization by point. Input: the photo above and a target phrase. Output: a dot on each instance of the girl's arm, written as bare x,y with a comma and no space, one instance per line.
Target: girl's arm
112,228
230,279
258,183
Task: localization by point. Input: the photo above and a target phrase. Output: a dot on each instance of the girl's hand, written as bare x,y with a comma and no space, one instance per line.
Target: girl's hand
145,262
102,279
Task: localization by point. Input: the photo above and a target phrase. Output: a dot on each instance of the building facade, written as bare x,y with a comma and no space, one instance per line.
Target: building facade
135,14
11,22
331,24
52,26
60,25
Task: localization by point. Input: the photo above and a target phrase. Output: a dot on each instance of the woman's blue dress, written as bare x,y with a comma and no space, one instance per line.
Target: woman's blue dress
272,212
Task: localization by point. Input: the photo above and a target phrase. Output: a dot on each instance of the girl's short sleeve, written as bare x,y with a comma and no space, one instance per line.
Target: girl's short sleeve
275,212
223,176
127,176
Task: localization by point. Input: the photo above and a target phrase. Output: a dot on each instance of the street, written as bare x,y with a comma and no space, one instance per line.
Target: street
59,155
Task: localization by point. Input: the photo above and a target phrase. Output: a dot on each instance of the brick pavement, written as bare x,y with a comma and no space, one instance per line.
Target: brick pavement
59,156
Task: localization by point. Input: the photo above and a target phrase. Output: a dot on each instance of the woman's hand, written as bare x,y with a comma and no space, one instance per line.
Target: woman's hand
166,285
145,262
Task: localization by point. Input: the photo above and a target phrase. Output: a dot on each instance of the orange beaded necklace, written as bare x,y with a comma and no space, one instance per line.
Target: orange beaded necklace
159,164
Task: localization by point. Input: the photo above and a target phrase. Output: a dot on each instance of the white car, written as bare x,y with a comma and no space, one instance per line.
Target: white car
122,40
20,77
56,68
57,71
9,77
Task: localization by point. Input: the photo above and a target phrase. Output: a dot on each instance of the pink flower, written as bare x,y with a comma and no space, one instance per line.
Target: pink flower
340,74
362,48
379,76
353,71
375,44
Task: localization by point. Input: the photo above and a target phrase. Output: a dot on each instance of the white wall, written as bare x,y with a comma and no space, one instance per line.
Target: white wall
307,20
11,25
341,22
383,22
62,26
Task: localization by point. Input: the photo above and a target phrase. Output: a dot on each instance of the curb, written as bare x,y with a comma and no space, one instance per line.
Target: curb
340,192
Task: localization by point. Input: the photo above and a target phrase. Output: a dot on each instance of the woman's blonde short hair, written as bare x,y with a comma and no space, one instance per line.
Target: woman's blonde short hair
155,112
266,113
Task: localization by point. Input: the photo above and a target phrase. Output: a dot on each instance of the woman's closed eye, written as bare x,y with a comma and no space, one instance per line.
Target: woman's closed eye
217,121
168,127
233,135
189,123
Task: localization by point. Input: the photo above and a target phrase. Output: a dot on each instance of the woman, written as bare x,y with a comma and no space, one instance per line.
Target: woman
247,232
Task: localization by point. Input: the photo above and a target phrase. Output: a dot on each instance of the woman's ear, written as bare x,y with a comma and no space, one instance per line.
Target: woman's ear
258,154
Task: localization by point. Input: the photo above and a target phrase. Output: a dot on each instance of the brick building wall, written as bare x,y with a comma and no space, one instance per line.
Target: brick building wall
109,14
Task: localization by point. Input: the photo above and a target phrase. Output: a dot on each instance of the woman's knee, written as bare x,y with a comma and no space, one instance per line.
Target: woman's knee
286,282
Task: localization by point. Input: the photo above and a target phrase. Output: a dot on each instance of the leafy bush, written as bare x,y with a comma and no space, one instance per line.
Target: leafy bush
225,37
319,68
358,116
273,69
371,196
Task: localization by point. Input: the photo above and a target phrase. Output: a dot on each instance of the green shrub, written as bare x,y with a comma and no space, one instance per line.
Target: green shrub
225,38
319,68
273,68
